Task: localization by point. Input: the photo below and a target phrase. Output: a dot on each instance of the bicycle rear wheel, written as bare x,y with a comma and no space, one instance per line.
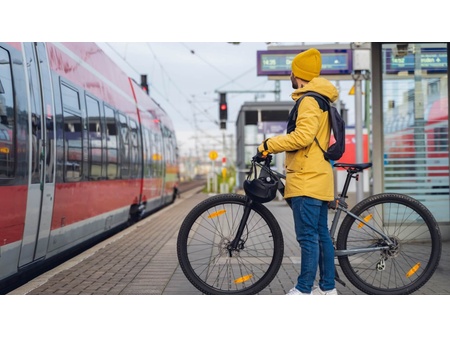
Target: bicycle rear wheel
202,246
407,264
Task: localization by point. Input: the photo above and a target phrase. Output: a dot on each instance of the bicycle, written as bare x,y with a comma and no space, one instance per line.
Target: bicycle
387,244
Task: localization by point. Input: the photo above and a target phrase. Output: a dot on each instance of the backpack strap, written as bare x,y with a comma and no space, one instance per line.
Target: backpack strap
324,104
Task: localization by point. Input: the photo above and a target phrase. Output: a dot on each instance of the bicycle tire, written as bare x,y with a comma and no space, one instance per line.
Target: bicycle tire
404,268
209,228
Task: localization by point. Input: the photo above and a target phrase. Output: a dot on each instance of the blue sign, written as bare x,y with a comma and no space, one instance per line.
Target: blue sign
433,60
278,62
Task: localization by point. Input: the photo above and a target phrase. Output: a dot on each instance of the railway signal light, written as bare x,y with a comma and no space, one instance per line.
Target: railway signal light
223,110
144,84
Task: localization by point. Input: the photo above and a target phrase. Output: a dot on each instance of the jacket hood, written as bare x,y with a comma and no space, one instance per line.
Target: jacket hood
319,85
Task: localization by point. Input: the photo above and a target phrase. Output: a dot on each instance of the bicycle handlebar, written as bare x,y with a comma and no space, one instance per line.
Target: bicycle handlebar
265,166
351,168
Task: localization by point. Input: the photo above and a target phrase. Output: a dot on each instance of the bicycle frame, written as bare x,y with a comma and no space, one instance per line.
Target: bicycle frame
339,203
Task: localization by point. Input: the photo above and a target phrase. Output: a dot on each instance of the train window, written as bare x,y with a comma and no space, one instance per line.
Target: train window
157,164
135,159
170,151
73,147
7,119
112,163
96,169
147,152
70,97
124,146
441,139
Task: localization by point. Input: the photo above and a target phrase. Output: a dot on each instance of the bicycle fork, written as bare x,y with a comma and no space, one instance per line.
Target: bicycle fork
237,243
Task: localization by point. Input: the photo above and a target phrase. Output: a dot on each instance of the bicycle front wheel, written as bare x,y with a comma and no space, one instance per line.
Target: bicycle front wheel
400,267
203,246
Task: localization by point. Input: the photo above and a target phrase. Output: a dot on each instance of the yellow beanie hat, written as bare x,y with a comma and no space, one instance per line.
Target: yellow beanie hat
307,64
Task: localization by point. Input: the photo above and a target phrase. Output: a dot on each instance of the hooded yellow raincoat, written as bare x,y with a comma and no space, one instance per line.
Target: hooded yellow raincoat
307,171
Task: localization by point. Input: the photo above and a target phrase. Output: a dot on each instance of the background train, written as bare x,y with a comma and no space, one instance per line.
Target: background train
416,156
83,150
417,151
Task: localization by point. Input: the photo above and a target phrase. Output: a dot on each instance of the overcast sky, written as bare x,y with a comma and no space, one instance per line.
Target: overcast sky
186,77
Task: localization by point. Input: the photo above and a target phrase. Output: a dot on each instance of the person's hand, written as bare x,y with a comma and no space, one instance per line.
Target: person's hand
260,156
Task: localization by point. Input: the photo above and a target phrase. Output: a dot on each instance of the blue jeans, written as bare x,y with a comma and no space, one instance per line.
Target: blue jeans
317,251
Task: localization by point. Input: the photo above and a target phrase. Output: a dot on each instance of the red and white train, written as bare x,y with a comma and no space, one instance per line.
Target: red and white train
83,149
423,148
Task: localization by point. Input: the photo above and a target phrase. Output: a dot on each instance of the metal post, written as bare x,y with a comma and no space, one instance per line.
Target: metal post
335,171
277,90
361,63
359,133
419,113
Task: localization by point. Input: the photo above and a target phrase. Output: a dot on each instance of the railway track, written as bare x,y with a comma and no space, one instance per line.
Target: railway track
188,185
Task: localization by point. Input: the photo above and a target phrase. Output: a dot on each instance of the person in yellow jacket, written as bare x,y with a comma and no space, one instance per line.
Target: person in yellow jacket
309,176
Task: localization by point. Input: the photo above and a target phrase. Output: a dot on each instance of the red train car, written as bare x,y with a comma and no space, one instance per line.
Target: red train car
83,150
423,147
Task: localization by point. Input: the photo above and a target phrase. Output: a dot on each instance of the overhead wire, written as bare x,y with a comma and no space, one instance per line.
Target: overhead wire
232,80
181,92
172,84
164,96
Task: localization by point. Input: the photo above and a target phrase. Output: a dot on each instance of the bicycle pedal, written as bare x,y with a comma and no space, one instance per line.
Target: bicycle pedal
340,281
336,277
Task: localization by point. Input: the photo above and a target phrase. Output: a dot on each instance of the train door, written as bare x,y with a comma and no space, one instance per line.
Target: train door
41,185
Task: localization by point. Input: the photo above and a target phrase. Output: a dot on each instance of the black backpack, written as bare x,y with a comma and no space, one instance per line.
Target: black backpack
337,149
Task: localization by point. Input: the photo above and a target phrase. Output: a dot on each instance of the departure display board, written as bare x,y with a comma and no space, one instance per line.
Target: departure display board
278,62
433,60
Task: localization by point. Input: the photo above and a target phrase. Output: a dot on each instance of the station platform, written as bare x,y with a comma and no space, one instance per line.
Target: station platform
142,260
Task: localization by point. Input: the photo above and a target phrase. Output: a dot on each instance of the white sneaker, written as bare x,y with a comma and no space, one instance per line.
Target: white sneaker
295,292
318,291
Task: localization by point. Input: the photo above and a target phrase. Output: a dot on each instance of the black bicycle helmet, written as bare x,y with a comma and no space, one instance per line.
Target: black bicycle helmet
262,189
